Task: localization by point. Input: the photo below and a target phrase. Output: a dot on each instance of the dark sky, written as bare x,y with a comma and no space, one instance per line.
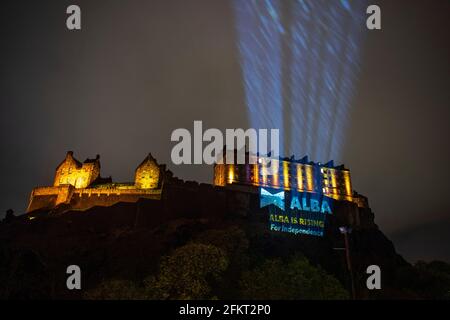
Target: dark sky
139,69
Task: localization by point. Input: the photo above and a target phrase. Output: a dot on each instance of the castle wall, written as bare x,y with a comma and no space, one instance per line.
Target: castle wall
332,182
179,200
64,194
219,175
286,175
50,197
86,175
67,171
73,190
147,176
42,202
85,200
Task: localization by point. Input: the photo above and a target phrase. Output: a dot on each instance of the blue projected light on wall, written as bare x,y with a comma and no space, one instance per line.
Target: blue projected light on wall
296,212
299,62
267,198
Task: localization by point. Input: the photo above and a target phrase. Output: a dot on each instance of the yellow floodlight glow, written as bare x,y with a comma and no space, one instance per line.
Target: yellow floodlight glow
230,174
286,174
275,168
333,181
256,174
299,177
264,173
309,178
347,183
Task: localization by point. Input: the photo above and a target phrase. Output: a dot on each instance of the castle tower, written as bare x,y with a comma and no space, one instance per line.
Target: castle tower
72,172
148,173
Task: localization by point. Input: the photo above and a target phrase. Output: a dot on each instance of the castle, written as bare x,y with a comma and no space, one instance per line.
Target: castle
288,174
79,186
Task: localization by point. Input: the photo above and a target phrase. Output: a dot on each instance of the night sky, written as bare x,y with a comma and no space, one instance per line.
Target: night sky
140,69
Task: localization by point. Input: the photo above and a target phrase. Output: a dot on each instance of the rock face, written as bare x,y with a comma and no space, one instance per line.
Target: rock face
127,240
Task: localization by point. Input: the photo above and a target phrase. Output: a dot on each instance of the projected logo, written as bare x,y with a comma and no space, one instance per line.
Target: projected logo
276,199
296,212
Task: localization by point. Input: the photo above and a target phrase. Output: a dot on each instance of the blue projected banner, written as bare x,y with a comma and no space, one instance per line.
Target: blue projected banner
296,212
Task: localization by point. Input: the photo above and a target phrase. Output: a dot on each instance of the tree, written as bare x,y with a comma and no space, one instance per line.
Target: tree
115,290
233,241
297,279
188,273
434,280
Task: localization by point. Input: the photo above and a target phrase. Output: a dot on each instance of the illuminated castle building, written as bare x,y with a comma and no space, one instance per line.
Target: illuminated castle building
289,174
80,186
